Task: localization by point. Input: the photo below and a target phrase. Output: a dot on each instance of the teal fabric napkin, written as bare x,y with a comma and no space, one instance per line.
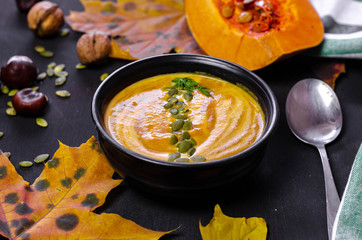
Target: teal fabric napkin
348,223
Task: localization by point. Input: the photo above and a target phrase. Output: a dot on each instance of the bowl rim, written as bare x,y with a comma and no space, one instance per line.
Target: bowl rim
268,130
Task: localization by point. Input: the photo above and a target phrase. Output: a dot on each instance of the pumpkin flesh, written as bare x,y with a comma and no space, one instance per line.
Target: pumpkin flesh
284,27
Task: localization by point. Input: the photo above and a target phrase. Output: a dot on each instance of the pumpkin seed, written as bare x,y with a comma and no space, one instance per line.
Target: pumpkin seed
7,154
193,142
168,105
188,96
173,139
60,81
80,66
1,134
41,76
10,104
227,11
103,76
59,67
198,159
185,136
41,122
25,164
4,89
177,125
39,48
62,93
184,146
172,91
191,151
64,32
41,158
183,109
10,111
173,156
50,72
245,17
173,111
172,99
180,116
52,65
60,73
35,88
182,160
180,103
187,125
47,54
12,92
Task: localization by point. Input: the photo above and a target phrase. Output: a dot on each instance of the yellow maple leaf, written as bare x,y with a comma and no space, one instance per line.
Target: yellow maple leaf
222,227
58,204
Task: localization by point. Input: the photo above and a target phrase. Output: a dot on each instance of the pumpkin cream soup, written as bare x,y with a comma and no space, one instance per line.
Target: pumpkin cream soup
185,117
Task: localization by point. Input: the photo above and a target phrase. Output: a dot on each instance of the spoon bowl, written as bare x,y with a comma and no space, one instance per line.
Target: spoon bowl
314,116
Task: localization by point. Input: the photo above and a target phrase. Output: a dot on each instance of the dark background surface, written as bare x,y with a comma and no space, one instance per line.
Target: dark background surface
287,190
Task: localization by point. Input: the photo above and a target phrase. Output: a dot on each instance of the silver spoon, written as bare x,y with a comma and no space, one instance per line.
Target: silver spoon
315,117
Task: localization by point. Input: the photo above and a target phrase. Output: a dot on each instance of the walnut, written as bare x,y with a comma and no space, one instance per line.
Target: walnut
93,47
45,18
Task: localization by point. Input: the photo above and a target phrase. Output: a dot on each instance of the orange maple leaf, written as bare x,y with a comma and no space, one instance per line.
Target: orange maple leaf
138,29
58,204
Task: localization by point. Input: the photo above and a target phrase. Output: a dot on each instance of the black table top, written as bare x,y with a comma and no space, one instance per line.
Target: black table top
287,189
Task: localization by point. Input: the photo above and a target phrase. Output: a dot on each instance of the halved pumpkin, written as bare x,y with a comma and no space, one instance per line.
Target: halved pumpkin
253,33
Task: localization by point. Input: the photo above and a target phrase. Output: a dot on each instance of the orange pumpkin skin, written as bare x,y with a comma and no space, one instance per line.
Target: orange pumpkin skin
297,27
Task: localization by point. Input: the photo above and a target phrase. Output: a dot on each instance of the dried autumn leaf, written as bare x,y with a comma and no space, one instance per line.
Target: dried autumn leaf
139,28
58,204
224,227
328,70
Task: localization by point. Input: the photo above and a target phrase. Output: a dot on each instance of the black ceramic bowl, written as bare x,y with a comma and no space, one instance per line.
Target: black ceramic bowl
151,173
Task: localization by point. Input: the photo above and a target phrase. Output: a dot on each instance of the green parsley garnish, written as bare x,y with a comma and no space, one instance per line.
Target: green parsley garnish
189,85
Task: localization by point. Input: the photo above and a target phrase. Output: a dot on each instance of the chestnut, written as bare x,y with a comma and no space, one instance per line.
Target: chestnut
29,102
19,72
25,5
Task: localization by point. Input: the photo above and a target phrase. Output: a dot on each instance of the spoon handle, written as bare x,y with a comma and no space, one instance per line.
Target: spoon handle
332,198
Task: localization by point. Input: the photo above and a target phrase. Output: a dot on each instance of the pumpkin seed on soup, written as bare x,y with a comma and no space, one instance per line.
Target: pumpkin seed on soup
188,96
180,116
185,136
191,151
172,100
182,160
198,159
187,125
177,125
173,156
172,91
173,139
173,111
168,105
184,146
